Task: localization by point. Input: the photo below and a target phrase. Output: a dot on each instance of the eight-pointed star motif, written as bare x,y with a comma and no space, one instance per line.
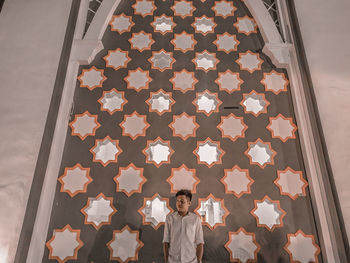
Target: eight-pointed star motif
237,181
268,213
138,79
163,24
134,125
158,152
184,126
208,152
204,25
260,153
254,103
282,127
98,211
92,78
182,8
84,125
183,42
275,82
183,178
229,81
105,151
291,183
246,25
141,41
75,180
160,102
112,101
130,179
249,61
116,59
125,245
155,210
302,247
226,42
205,61
183,81
207,102
64,244
242,246
121,23
161,60
232,127
224,9
144,7
213,210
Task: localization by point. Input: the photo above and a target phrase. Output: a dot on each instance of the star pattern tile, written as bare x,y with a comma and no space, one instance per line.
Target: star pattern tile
158,152
232,127
224,9
183,178
98,211
64,244
260,153
141,41
302,247
155,210
207,102
184,126
204,25
116,59
138,79
84,125
130,180
246,25
254,103
161,60
226,42
183,81
268,213
237,181
134,125
75,180
183,42
275,81
249,61
229,81
112,101
160,102
208,152
212,210
121,23
125,245
282,128
291,183
205,61
92,78
144,7
182,8
242,246
106,151
163,24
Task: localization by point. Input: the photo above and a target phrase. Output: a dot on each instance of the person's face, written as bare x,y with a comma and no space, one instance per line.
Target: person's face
182,203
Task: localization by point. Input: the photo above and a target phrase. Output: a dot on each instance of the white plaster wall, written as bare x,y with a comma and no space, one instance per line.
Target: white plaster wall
325,31
31,38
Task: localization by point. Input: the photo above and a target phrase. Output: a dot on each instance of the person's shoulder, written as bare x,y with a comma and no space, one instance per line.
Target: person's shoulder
191,214
172,214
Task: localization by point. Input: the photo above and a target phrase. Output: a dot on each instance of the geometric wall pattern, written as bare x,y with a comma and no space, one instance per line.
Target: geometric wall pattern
182,96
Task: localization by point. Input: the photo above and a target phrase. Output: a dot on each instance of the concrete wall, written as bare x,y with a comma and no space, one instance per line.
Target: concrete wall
31,37
324,27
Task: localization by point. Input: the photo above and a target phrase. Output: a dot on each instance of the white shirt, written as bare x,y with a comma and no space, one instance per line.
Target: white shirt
184,234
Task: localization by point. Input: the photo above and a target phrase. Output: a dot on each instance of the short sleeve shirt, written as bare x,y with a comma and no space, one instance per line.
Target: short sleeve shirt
183,233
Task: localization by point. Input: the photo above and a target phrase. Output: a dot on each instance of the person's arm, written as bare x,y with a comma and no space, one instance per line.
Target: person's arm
199,253
166,251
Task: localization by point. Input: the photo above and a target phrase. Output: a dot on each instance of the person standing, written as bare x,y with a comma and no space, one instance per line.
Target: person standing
183,234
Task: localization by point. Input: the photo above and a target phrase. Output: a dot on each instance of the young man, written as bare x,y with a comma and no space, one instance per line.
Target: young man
183,234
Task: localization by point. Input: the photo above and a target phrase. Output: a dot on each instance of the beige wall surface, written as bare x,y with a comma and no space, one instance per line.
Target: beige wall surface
31,38
325,31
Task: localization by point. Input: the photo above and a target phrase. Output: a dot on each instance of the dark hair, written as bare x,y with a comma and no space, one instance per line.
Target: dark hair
185,192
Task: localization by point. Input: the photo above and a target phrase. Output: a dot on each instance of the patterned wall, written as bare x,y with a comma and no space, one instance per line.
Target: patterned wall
182,97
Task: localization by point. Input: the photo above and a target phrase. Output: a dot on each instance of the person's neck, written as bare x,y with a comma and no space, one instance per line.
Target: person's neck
182,213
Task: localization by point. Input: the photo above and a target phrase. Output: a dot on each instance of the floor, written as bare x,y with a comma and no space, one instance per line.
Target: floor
182,97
